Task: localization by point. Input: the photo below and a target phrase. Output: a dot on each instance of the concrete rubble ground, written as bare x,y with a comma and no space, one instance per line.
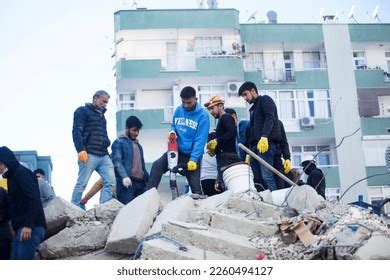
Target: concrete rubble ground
225,226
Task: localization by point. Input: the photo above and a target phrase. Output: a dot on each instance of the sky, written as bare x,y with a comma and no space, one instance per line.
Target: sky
55,54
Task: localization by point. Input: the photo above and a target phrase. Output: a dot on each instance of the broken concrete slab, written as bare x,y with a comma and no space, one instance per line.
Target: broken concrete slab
266,196
241,226
99,255
262,209
376,248
133,222
160,249
177,209
107,212
75,240
218,241
304,199
212,202
58,213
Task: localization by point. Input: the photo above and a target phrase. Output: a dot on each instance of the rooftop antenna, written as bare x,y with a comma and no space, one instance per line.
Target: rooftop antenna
375,14
200,4
213,4
350,14
252,16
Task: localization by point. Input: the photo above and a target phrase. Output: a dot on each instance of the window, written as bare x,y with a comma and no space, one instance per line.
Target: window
126,101
359,60
254,61
206,91
208,46
301,103
311,60
322,159
288,66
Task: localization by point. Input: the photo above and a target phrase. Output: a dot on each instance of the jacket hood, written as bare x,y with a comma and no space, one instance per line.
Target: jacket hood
8,158
197,109
309,166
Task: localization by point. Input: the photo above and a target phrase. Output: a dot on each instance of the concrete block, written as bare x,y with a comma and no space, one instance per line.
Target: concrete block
107,212
304,199
99,255
160,249
218,241
177,209
376,248
59,212
242,226
263,210
75,240
133,222
212,202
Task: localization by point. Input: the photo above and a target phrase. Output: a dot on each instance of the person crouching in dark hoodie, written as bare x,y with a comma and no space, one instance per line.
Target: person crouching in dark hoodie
5,232
316,178
25,206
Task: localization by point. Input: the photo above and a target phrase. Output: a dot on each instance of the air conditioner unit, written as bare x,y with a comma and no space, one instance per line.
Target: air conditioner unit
232,87
307,122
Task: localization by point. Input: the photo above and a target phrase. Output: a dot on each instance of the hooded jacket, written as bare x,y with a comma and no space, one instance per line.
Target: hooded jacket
192,128
5,233
316,178
90,130
24,202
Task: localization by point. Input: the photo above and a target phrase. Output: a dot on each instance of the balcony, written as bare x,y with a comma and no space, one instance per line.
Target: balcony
372,77
375,125
313,79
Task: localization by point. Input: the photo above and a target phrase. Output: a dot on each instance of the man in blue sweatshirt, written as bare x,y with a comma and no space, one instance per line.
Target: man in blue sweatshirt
191,125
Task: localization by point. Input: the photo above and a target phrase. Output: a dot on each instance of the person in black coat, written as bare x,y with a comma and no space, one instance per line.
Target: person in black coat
316,178
5,232
264,131
91,142
25,206
282,151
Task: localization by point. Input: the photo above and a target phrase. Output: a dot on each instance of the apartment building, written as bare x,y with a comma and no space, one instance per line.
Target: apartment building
330,83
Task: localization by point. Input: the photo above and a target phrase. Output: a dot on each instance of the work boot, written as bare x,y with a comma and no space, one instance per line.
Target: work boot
198,196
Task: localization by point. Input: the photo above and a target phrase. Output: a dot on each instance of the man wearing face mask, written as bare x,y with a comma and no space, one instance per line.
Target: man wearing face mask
128,158
191,126
25,207
91,142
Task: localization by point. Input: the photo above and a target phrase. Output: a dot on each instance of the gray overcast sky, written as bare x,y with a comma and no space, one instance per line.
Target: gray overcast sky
55,54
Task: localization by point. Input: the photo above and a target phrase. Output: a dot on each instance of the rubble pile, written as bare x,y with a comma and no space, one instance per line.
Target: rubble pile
225,226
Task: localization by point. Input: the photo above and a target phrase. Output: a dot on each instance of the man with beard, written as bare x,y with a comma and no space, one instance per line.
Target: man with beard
191,126
224,146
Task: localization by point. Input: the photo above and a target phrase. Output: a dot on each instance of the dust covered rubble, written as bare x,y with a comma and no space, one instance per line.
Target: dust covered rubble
227,226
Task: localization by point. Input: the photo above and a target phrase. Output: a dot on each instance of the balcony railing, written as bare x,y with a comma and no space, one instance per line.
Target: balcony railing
273,75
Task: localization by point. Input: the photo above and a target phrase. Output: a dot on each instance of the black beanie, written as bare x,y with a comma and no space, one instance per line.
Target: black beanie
133,121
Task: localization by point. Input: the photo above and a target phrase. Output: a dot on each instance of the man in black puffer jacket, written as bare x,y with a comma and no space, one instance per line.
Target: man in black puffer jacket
25,207
5,232
91,141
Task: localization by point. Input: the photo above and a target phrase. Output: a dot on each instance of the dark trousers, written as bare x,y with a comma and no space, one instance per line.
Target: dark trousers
5,249
208,186
278,165
125,195
160,166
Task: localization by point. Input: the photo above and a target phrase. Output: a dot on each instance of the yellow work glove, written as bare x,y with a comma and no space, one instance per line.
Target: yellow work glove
248,159
262,145
83,156
191,165
287,166
212,145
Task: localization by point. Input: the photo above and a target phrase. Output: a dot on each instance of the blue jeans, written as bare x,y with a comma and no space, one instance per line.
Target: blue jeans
125,195
103,165
261,173
25,250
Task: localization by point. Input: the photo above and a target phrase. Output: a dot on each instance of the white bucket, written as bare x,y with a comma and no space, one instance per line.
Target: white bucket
238,177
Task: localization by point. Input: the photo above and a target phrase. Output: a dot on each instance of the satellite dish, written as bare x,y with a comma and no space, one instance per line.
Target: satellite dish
350,14
272,17
375,14
252,16
213,4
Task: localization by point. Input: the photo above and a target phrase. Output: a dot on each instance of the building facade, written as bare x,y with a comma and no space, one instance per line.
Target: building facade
330,83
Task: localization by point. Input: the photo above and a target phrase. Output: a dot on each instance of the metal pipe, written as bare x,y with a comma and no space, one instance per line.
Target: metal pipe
266,164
